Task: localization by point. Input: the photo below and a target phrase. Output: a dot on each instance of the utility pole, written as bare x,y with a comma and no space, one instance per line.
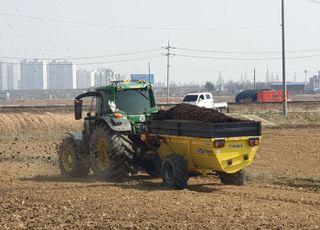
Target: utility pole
220,82
241,81
168,54
254,78
107,82
305,76
149,72
284,83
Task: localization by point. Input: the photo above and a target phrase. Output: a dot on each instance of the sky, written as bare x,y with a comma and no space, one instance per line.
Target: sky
209,36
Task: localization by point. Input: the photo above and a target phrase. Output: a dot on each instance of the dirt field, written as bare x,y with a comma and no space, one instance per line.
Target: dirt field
283,190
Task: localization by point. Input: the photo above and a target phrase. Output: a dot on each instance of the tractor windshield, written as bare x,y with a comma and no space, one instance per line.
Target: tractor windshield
133,101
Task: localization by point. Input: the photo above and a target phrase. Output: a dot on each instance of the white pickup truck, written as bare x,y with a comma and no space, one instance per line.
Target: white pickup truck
204,100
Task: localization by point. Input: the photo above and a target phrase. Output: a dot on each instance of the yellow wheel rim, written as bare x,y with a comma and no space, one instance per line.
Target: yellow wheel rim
102,155
68,160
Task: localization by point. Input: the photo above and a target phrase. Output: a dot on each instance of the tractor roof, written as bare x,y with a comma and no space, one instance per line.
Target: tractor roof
125,84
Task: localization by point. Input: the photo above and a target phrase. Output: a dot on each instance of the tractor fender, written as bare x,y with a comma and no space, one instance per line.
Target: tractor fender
74,135
117,125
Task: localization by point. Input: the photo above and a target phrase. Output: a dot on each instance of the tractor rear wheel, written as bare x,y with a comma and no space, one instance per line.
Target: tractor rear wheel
71,162
236,178
110,155
174,171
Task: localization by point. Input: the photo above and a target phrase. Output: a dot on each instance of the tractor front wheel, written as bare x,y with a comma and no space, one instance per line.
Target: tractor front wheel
71,162
236,178
174,171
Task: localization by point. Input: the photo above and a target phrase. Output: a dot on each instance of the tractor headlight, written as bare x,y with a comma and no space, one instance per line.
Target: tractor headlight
142,118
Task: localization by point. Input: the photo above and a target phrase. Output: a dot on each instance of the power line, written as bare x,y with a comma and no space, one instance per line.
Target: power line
88,57
246,52
303,57
206,70
225,58
153,50
303,30
138,27
245,59
314,1
123,60
233,71
168,54
96,63
223,51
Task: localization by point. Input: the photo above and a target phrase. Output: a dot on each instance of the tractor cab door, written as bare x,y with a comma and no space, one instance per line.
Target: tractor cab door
102,106
94,99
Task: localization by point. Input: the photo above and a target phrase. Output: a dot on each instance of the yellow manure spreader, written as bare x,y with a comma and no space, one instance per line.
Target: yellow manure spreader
187,148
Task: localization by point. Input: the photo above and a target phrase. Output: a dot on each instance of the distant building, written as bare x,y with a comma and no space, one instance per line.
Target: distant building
13,71
61,75
9,76
33,75
145,77
315,82
292,87
85,79
103,77
3,76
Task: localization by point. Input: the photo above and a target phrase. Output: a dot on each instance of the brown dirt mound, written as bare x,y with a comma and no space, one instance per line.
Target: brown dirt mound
26,122
194,113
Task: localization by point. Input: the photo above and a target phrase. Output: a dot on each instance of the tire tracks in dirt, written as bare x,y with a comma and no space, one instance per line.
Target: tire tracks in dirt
300,197
306,189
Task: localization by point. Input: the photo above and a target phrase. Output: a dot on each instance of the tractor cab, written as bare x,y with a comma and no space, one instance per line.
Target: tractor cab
123,105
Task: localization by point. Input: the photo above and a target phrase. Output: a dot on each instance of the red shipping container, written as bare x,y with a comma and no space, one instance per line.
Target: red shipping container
270,96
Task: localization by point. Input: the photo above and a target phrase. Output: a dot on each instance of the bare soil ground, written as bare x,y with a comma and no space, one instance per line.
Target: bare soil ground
306,118
283,190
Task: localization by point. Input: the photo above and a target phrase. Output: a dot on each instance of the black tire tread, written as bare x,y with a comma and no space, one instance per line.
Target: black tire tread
180,180
236,178
81,168
120,154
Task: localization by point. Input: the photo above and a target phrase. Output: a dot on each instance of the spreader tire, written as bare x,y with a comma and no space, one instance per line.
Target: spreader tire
236,178
174,172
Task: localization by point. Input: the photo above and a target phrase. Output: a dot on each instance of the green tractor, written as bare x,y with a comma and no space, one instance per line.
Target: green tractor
110,143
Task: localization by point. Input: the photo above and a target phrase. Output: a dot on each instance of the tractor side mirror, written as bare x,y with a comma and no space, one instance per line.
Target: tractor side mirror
77,109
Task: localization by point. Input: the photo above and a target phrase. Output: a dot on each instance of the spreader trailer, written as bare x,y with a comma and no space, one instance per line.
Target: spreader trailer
188,148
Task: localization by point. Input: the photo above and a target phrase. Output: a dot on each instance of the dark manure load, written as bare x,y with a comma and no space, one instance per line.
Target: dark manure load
194,121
